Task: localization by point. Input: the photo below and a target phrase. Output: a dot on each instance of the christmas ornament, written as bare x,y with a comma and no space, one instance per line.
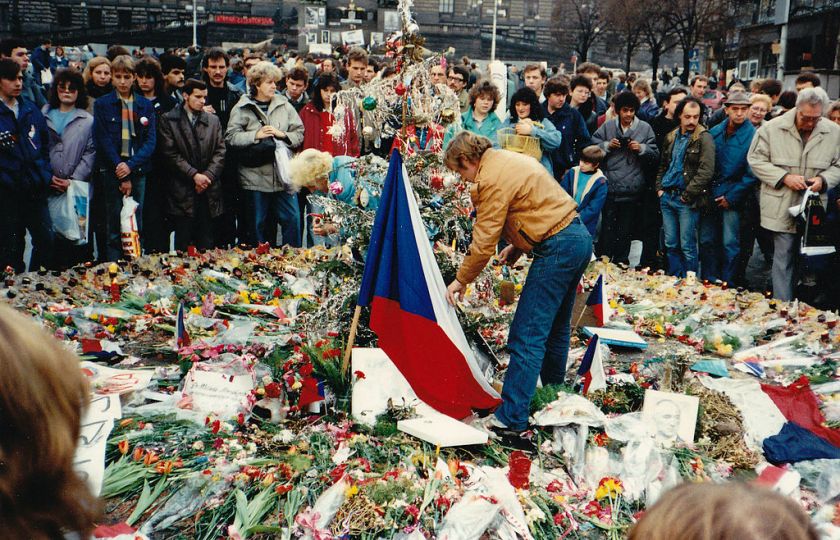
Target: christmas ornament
400,89
336,188
369,103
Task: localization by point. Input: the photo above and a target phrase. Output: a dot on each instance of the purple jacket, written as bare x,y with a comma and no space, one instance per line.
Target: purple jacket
73,154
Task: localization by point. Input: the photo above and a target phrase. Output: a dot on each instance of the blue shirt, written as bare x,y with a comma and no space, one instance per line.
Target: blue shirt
583,178
673,177
59,119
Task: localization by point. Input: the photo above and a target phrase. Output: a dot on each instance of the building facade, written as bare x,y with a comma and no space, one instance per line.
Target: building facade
753,48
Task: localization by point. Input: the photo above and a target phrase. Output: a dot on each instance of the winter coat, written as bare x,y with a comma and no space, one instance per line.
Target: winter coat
187,150
733,178
648,110
515,199
316,127
777,150
698,167
575,137
301,103
25,162
550,139
32,90
488,128
73,153
242,131
593,198
107,132
624,168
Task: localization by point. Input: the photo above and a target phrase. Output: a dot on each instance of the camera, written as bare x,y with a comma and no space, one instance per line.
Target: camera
624,141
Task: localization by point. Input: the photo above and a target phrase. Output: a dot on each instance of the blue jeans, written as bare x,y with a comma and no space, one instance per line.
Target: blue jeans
106,188
540,331
720,244
264,210
679,222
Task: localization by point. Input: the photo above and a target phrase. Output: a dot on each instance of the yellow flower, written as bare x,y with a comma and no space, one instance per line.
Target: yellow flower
518,287
352,490
195,310
609,487
110,328
658,328
297,385
244,296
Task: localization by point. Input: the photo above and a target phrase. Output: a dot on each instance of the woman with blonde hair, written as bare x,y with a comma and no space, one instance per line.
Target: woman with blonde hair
42,396
734,511
257,124
97,76
335,177
760,105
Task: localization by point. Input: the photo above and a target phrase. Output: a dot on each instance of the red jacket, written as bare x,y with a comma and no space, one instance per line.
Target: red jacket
316,125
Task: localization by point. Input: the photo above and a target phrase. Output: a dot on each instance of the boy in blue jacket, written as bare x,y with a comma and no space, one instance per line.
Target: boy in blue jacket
588,186
720,247
124,133
25,175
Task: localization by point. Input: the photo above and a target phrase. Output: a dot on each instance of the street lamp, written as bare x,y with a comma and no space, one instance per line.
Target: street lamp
194,8
493,40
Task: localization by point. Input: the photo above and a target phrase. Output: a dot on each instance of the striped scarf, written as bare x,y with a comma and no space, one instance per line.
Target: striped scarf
127,126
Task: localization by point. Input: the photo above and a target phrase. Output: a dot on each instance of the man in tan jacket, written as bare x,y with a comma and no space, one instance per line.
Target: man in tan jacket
518,200
797,150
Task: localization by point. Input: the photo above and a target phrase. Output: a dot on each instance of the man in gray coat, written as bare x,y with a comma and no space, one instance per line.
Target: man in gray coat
795,151
193,146
631,149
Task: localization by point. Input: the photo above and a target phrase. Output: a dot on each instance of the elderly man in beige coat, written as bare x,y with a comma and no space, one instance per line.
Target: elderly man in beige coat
797,150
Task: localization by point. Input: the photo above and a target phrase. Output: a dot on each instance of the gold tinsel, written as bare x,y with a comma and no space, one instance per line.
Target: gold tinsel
356,516
723,426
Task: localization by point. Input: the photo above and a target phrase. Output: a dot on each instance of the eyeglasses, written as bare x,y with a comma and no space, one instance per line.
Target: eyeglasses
67,90
456,79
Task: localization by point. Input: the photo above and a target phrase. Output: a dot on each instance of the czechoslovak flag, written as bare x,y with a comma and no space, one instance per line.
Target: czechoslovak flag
598,301
417,328
591,368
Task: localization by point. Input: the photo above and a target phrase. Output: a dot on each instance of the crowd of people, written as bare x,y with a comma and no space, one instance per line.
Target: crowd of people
191,137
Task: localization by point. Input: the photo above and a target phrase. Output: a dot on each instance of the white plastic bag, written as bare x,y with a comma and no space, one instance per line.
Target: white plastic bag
282,156
128,228
69,212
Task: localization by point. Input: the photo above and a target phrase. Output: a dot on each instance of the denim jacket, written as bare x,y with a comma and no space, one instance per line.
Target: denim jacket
733,177
25,161
107,132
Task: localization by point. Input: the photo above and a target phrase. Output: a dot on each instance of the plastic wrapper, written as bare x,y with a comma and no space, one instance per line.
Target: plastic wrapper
627,427
570,409
822,476
641,464
510,523
570,442
184,503
469,518
327,505
598,464
129,232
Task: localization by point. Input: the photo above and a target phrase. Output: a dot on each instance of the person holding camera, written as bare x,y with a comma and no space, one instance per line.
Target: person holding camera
257,122
631,148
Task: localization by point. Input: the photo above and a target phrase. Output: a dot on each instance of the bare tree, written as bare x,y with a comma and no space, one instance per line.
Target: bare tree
578,24
692,21
625,19
657,33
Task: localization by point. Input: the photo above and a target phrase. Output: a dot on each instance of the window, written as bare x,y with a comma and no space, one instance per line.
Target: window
532,8
530,36
446,6
94,17
504,8
748,70
64,15
124,18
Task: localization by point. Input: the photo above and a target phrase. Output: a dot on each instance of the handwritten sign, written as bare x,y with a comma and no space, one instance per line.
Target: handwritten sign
97,423
216,393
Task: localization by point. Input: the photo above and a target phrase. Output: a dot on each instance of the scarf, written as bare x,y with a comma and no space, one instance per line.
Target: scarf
98,91
127,132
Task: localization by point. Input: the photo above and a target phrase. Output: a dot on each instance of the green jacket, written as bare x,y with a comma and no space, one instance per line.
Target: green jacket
698,167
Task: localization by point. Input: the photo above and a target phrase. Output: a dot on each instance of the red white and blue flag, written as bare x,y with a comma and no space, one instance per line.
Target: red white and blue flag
591,370
182,337
598,301
417,328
